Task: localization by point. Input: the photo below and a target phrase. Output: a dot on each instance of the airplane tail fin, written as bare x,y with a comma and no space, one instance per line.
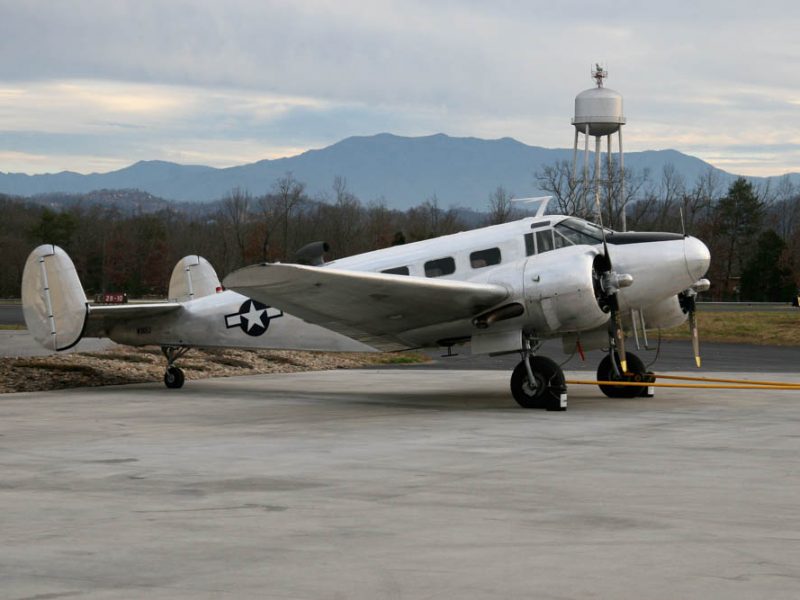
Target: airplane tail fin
193,277
53,301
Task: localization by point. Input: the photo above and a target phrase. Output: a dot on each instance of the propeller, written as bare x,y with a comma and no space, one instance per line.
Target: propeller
688,302
610,284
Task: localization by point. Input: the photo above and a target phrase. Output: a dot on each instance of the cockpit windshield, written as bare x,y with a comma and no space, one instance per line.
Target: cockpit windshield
579,231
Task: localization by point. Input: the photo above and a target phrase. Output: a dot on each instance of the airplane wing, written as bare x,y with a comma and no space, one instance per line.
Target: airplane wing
374,308
101,317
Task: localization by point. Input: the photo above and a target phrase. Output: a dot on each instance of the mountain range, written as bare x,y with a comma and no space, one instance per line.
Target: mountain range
403,171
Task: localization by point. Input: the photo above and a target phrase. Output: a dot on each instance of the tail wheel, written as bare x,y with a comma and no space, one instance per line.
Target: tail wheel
636,372
173,378
548,386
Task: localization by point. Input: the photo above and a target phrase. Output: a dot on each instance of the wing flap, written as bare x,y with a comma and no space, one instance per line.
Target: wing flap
374,308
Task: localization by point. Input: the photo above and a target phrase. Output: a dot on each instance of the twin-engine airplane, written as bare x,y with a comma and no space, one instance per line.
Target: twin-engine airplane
502,289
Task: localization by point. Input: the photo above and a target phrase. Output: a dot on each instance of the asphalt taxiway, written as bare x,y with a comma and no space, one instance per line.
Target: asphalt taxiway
397,484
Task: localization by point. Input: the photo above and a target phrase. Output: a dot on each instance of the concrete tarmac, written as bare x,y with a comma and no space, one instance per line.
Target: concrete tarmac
397,484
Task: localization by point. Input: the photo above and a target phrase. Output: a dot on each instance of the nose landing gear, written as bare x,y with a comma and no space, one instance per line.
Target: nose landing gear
611,371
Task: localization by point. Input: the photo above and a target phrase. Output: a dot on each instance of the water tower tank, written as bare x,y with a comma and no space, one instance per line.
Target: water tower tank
601,109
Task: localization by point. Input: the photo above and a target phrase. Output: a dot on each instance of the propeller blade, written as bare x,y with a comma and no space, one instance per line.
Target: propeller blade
619,334
695,337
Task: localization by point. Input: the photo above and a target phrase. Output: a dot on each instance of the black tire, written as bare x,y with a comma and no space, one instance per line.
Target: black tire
550,384
173,378
636,372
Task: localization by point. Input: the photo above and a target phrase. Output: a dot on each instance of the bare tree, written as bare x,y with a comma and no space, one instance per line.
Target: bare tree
235,213
501,207
569,193
290,193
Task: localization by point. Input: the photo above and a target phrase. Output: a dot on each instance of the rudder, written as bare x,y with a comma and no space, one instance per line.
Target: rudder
53,301
193,277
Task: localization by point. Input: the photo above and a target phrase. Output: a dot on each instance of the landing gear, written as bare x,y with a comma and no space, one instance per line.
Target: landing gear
608,371
173,376
538,382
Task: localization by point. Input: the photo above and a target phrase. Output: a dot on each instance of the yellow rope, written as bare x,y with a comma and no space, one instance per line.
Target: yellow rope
720,380
746,386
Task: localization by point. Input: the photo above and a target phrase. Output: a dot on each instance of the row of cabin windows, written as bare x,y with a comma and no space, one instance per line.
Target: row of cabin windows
447,265
566,233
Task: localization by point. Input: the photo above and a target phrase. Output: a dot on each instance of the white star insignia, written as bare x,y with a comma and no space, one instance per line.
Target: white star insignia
254,317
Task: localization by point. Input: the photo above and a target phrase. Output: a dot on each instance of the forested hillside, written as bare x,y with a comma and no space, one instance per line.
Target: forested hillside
132,245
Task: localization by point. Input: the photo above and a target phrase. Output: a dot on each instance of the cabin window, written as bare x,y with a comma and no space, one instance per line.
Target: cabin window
396,271
544,241
530,248
440,267
485,258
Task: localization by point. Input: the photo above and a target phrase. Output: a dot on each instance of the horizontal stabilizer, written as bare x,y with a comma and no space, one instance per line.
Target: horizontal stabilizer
103,317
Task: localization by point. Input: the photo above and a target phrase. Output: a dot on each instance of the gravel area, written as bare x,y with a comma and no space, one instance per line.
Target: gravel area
122,365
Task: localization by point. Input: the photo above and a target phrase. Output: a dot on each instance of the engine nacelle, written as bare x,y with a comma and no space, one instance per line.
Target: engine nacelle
664,315
560,291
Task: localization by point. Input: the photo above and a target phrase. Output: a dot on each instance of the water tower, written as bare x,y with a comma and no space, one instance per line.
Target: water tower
598,113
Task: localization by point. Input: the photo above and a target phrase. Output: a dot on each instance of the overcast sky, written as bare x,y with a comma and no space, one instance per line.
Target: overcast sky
97,85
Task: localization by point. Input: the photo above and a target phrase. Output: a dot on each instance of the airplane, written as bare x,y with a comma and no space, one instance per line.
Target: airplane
501,289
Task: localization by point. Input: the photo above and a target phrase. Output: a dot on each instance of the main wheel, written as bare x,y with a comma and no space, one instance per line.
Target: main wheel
636,372
548,388
173,378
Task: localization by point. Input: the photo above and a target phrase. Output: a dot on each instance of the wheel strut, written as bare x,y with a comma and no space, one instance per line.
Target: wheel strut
173,376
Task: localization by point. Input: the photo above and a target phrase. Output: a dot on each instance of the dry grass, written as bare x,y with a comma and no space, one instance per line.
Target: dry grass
136,365
763,328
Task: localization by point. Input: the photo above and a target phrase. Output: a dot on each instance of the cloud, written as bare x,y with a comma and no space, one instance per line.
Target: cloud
260,76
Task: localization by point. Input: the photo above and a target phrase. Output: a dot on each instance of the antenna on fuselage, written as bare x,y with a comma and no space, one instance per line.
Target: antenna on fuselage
543,202
683,222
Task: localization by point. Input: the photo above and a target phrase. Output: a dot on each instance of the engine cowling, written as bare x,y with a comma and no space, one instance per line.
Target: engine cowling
664,315
560,292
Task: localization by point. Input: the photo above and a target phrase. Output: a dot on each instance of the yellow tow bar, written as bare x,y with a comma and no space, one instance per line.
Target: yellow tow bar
712,383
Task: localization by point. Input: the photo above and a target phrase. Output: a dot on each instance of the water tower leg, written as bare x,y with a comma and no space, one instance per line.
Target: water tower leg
574,157
610,179
597,142
585,167
622,199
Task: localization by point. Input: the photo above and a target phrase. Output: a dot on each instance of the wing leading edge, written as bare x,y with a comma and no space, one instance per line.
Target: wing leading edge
374,308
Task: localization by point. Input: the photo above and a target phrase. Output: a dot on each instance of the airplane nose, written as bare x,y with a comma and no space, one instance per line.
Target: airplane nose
698,258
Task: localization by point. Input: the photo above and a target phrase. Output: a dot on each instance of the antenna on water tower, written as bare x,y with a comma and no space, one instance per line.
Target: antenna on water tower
598,113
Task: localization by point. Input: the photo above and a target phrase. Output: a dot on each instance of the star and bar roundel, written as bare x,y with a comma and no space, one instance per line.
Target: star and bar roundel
252,317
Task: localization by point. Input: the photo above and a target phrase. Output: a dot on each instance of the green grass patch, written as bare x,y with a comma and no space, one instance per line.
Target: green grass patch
776,328
12,327
406,358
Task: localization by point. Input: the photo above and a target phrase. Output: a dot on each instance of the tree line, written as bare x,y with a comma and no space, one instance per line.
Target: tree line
750,230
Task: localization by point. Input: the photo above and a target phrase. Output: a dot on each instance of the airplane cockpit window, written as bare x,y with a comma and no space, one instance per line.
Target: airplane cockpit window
580,232
560,240
530,248
396,271
544,241
440,267
485,258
